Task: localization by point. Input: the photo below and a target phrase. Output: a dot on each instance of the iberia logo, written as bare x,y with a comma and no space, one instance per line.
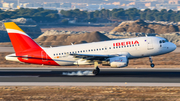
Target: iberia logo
125,43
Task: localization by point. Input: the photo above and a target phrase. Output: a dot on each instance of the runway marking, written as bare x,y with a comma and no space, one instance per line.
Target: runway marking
18,76
32,70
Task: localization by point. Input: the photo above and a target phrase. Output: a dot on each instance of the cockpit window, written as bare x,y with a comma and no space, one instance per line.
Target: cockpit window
163,41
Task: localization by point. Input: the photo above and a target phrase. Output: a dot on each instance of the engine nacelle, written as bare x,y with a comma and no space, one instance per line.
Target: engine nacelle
119,61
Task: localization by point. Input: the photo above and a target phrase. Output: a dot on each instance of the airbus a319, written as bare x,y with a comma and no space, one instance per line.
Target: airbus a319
114,53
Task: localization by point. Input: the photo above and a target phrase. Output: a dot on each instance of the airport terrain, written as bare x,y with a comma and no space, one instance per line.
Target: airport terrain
99,93
74,93
50,85
78,28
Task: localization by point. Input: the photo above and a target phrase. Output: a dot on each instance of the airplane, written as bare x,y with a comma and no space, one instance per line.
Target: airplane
114,53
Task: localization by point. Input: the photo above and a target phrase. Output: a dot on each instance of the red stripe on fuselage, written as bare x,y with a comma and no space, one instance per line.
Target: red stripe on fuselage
25,46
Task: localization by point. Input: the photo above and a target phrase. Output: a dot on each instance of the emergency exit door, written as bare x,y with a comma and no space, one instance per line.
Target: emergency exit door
149,44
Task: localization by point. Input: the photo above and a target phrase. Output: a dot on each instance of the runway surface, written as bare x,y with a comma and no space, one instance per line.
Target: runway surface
85,75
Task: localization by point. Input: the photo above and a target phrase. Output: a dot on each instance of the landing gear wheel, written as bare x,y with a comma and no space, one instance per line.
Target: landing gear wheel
96,71
151,61
152,65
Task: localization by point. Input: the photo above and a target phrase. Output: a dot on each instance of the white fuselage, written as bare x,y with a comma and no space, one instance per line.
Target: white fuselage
132,48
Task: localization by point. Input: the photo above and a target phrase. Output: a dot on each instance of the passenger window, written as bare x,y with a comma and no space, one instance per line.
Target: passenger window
114,47
109,47
62,53
91,49
59,53
102,48
160,41
124,46
54,54
97,49
105,48
119,46
127,46
94,49
83,50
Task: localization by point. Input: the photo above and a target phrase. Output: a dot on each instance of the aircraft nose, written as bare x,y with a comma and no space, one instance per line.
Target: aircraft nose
172,46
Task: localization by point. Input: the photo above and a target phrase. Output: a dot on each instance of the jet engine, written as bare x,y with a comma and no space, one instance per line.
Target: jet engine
119,61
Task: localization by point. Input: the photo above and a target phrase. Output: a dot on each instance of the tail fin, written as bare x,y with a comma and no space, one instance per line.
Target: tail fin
27,50
20,40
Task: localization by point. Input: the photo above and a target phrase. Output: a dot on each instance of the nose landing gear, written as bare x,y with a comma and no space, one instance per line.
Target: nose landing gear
150,60
152,65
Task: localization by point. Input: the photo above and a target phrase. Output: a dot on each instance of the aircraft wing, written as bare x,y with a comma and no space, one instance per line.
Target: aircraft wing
93,56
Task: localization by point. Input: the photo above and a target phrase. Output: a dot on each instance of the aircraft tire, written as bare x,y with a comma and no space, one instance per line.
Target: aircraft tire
152,65
96,71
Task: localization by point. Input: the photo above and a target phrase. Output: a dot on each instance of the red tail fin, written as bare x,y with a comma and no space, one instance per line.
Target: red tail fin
27,50
20,40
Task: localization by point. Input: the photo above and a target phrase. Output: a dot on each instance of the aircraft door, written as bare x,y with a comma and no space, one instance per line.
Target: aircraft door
149,44
43,56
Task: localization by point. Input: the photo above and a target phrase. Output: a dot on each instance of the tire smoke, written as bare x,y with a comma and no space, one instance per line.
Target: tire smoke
78,73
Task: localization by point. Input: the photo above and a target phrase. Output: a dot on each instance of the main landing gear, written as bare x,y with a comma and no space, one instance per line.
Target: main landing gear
96,70
150,60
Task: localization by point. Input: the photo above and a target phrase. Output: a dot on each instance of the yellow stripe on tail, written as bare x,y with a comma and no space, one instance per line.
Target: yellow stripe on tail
12,25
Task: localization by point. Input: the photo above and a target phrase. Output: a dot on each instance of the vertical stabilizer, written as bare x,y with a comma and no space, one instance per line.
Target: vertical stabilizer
20,40
26,49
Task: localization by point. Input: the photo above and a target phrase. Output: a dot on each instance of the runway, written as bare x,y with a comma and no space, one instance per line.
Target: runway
71,77
125,75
